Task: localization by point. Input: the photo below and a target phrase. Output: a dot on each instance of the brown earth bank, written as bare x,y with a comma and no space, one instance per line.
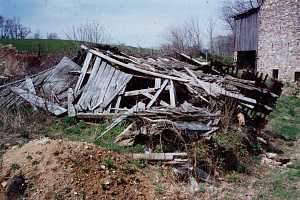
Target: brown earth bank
58,169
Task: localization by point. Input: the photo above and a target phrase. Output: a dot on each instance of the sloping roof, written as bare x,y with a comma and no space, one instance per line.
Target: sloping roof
246,13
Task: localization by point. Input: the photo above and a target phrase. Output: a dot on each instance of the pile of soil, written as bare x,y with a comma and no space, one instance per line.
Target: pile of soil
59,169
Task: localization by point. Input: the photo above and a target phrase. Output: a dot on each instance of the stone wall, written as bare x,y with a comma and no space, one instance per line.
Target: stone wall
279,38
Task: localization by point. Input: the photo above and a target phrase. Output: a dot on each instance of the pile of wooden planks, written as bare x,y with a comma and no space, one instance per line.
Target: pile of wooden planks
181,95
162,93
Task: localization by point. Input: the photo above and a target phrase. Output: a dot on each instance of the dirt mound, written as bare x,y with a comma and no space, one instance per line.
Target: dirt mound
57,169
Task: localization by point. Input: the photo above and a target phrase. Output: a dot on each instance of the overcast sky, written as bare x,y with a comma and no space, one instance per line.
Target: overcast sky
132,22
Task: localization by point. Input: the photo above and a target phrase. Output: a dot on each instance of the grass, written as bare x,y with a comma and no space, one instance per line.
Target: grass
80,131
44,45
281,184
285,119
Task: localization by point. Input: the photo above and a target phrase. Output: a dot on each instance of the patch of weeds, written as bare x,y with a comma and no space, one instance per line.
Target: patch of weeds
160,189
295,165
242,168
256,147
69,121
232,179
107,141
202,188
82,193
24,133
285,119
15,166
109,164
130,168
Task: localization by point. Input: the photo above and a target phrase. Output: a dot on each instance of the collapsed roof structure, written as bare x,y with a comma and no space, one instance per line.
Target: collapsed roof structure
182,95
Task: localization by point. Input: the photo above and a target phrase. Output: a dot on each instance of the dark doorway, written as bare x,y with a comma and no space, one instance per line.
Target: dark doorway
247,60
297,76
275,73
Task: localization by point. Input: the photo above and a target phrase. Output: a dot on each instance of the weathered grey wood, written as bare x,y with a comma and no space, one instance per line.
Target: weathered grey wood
161,102
71,108
157,83
157,156
139,92
138,107
157,94
31,89
107,77
119,99
88,89
97,84
121,83
39,102
83,71
172,94
132,67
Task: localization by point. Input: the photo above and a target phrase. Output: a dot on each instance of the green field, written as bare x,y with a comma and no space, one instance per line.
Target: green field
44,45
50,46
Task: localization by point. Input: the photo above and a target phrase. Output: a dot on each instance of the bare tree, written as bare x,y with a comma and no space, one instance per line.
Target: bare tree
52,36
234,7
12,29
184,38
90,32
210,31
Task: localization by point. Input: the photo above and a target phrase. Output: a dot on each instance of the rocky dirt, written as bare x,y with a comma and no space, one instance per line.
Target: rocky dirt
57,169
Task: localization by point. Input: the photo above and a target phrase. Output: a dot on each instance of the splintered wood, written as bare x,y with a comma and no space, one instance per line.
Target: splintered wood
167,89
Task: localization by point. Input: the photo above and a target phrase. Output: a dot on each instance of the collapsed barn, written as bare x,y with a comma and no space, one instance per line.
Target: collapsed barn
166,99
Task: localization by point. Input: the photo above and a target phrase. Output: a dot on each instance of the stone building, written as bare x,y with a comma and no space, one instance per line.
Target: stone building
267,39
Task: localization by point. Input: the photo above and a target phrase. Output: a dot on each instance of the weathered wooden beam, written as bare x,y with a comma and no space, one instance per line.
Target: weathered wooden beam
157,156
139,92
157,83
172,94
39,102
161,102
71,108
31,89
83,71
134,68
157,94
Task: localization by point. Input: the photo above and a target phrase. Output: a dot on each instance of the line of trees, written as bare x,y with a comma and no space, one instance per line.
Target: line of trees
12,28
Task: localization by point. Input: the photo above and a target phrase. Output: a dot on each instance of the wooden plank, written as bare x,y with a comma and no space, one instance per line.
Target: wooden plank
157,94
98,83
71,108
39,102
157,83
83,71
132,67
31,89
121,83
139,106
172,94
104,84
157,156
139,92
119,99
84,100
150,96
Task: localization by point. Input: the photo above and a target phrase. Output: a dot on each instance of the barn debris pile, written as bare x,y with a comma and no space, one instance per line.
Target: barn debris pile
180,98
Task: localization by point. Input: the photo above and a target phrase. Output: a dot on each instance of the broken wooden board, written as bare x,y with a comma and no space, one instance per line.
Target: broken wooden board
158,156
40,102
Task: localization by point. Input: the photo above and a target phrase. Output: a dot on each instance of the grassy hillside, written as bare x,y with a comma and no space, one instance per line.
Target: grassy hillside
45,45
50,46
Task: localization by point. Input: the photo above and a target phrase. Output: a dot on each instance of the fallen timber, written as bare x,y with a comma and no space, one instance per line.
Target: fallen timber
158,94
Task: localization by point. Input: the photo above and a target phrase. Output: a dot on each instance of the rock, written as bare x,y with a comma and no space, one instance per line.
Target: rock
271,155
4,184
